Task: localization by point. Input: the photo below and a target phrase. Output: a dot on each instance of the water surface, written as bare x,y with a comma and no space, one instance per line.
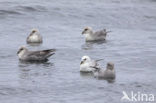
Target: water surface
131,46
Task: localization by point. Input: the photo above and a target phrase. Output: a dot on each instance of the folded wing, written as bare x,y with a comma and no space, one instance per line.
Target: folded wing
40,55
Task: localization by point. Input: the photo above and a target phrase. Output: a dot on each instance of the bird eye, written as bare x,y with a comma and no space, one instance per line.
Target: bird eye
33,31
86,29
85,59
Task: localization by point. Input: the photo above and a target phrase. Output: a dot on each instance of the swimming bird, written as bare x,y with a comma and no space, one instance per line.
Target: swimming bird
25,55
94,36
86,64
34,37
109,73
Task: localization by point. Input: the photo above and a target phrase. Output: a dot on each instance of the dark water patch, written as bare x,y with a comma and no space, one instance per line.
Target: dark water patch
152,0
89,15
152,37
35,8
75,16
150,17
86,75
12,91
116,1
30,63
34,61
108,80
25,69
91,44
6,56
57,8
9,12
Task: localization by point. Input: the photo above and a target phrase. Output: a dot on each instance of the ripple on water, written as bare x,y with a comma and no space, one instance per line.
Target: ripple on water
10,12
34,8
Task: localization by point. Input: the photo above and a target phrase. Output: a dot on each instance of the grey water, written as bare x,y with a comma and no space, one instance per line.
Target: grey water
131,46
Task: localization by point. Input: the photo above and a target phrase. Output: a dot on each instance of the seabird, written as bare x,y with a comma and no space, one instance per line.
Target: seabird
34,37
94,36
25,55
109,73
86,64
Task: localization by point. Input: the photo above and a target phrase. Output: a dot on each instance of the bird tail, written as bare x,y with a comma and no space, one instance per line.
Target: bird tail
99,60
106,31
50,50
48,55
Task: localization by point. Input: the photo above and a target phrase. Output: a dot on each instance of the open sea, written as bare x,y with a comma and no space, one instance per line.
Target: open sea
131,46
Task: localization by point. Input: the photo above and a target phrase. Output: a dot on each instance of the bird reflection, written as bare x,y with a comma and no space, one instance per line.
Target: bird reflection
89,45
30,73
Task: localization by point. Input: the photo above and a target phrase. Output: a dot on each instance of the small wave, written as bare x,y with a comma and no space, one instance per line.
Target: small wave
31,8
9,12
153,0
13,90
89,15
150,17
6,56
57,9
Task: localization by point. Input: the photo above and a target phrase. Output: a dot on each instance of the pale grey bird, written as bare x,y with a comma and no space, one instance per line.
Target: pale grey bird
109,73
94,36
34,37
25,55
86,63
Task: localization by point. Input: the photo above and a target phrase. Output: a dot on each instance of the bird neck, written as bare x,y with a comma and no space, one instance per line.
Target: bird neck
111,69
21,54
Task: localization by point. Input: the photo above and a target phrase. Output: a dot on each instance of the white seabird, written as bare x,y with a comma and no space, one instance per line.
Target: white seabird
34,37
86,64
94,36
25,55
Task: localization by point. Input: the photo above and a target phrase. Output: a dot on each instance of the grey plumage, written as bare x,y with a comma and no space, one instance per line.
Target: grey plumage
26,55
100,35
109,73
94,36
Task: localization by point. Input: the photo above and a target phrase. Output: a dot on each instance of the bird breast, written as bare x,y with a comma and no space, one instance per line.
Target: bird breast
21,54
34,38
88,37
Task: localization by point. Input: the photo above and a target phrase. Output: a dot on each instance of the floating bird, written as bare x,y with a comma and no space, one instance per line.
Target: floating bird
109,73
94,36
25,55
34,37
86,64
